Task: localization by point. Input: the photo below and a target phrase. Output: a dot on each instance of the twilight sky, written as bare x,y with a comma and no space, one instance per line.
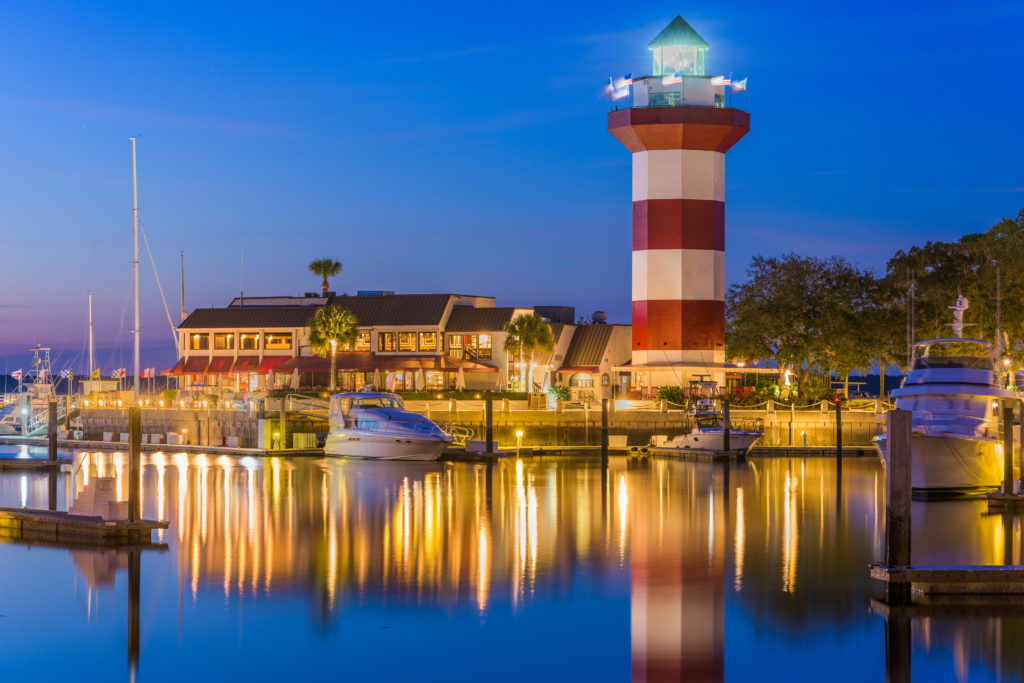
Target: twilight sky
439,147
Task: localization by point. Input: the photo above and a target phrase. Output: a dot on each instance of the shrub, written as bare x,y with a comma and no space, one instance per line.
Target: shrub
672,395
561,393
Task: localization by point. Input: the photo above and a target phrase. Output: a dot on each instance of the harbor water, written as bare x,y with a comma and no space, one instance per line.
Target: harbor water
555,568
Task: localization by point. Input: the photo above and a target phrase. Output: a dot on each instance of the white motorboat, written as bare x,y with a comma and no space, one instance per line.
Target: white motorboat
376,425
954,391
709,431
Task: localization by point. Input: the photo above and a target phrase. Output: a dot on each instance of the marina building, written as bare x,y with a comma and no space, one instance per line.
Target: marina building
405,342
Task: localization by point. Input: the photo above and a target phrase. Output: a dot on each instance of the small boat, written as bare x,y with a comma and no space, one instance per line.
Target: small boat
367,424
954,391
709,433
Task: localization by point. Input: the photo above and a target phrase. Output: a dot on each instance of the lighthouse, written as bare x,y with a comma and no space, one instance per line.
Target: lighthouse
678,129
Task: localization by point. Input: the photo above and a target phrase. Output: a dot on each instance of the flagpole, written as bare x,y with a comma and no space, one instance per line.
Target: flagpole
135,269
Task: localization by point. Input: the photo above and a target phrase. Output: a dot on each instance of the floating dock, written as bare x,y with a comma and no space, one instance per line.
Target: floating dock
21,524
966,580
33,464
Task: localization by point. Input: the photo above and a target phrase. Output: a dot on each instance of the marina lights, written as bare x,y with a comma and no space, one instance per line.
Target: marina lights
519,439
119,403
161,403
182,403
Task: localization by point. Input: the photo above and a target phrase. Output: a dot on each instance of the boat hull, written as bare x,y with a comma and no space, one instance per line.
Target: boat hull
357,444
950,465
713,441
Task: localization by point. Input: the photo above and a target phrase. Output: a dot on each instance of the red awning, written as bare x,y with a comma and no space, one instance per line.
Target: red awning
245,364
449,364
177,369
196,365
269,363
220,365
579,368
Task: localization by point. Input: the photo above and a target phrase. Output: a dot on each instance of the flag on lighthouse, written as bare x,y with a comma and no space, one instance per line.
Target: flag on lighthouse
739,86
674,79
16,375
721,80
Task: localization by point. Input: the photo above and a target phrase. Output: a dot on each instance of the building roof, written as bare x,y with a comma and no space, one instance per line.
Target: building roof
370,311
479,319
678,32
588,345
244,316
396,309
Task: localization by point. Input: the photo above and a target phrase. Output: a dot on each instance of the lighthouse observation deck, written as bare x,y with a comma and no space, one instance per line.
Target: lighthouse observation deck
694,91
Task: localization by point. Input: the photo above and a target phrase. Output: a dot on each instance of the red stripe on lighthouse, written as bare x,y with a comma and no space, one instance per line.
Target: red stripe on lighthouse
678,325
678,224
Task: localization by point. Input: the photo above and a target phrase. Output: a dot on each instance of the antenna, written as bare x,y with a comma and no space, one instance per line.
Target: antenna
182,286
241,275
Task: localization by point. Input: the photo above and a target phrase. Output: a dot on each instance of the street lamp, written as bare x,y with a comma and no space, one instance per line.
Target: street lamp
334,348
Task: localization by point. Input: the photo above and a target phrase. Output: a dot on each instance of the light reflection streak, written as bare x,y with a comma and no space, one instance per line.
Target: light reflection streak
740,540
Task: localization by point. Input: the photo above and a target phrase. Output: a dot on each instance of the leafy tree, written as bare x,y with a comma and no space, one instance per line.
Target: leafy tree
524,335
325,268
804,313
332,324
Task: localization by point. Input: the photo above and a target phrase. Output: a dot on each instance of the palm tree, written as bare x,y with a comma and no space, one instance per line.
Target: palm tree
325,268
524,335
331,327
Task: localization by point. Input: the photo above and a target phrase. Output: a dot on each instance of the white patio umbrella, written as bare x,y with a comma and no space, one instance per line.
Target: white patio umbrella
500,384
376,379
391,380
295,379
460,380
421,383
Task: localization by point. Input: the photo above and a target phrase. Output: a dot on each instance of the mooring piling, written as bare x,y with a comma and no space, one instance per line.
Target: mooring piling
134,463
51,429
1008,447
604,428
725,425
489,424
897,501
839,442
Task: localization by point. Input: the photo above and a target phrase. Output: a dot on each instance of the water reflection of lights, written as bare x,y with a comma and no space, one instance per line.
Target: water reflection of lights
789,536
623,500
740,540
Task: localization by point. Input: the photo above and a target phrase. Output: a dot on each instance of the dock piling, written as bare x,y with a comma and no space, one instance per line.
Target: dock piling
489,424
284,426
839,442
604,428
725,425
134,463
897,502
51,429
1008,447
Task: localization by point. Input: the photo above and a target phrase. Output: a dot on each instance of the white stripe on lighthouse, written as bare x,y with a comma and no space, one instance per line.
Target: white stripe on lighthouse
679,174
679,274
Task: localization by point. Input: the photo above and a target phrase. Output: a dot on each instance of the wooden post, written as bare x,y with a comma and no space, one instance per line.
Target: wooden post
604,428
1008,447
897,649
725,425
51,429
489,424
897,501
134,571
792,419
284,425
134,463
839,441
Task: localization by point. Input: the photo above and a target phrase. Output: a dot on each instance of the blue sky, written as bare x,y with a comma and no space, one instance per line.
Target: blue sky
463,147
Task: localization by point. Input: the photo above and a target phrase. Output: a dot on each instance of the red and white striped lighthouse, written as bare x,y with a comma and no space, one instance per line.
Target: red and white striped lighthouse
678,129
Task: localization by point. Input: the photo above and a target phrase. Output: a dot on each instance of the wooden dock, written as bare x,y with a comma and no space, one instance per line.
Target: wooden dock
965,580
22,524
1003,501
810,451
33,464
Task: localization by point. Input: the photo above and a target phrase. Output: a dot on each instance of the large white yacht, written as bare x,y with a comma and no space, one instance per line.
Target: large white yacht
375,425
954,390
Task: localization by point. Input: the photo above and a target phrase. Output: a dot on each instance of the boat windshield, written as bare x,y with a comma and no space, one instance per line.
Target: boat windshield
378,402
966,355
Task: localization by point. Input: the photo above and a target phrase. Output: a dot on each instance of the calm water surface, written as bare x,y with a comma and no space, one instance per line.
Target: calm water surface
554,568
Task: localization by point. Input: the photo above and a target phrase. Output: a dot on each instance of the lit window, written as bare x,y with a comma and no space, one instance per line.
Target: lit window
455,345
406,341
200,342
582,380
604,380
363,340
484,347
249,341
428,341
386,341
223,341
278,340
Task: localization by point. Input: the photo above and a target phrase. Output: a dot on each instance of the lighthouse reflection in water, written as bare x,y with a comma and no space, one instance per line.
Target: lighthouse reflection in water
558,568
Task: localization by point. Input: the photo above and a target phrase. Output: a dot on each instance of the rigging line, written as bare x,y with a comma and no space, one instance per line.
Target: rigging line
174,331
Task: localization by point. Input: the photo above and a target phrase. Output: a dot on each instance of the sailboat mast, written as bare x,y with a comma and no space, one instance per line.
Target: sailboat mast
183,286
135,268
91,355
